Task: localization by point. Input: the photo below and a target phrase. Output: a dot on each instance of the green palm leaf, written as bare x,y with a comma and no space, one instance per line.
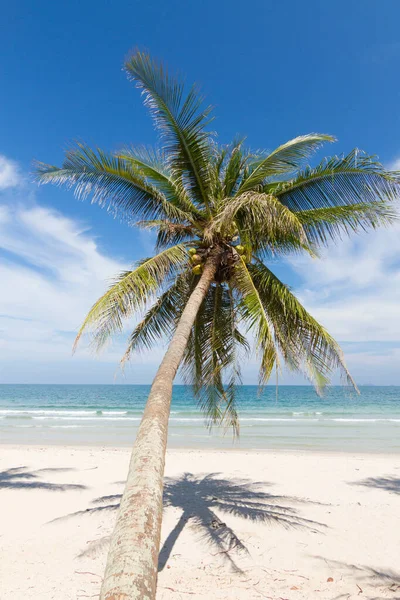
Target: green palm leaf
131,291
152,164
211,362
304,344
169,233
261,219
161,319
234,168
324,224
256,319
285,159
112,183
340,181
180,120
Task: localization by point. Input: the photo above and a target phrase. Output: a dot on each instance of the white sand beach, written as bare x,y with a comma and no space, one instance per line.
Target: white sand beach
237,524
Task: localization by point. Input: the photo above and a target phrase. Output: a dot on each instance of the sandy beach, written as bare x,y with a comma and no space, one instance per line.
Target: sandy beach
244,524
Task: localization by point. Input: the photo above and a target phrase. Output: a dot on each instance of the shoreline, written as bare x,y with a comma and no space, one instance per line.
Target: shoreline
207,450
104,416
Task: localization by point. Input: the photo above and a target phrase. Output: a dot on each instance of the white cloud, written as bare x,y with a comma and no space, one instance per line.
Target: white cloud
394,165
9,173
51,274
355,289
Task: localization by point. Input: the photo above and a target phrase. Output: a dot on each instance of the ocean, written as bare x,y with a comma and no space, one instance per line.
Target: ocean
109,415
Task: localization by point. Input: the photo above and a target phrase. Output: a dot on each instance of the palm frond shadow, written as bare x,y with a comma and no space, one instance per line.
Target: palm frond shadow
389,483
23,478
380,580
202,499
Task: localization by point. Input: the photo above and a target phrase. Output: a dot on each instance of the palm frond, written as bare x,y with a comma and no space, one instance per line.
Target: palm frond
221,153
129,293
256,319
152,164
169,233
180,120
161,319
216,165
261,219
111,182
324,224
304,344
234,168
285,159
211,362
339,181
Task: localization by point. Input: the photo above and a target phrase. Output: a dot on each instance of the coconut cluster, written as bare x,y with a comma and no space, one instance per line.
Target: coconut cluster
197,257
229,256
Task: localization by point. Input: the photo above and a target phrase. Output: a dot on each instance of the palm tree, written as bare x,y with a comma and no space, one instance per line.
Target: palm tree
220,213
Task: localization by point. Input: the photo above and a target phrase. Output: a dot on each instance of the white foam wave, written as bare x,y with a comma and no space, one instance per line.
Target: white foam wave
67,426
371,420
306,414
79,418
47,412
284,419
98,416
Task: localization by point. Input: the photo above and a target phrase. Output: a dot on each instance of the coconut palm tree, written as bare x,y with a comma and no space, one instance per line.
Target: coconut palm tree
220,213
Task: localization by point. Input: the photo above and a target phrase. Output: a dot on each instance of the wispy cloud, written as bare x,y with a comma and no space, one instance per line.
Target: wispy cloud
51,271
355,289
394,165
10,175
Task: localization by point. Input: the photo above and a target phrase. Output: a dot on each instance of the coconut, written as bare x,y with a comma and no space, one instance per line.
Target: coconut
196,259
197,269
240,249
192,251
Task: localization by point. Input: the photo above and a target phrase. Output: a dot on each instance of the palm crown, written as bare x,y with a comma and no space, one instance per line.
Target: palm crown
237,208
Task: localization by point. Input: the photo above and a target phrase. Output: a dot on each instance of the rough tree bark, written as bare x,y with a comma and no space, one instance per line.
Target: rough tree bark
131,571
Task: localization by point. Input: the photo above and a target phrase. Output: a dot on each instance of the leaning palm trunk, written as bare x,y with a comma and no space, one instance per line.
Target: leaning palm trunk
131,571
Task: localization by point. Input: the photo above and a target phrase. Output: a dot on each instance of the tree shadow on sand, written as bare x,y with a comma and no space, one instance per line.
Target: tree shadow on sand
378,580
202,500
23,478
389,484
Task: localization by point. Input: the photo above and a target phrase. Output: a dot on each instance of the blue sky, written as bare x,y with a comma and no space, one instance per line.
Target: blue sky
272,70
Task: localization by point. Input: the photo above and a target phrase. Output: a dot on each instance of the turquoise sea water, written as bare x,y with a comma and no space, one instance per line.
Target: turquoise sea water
110,415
